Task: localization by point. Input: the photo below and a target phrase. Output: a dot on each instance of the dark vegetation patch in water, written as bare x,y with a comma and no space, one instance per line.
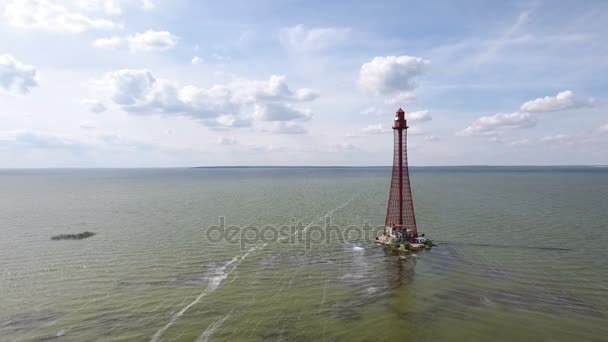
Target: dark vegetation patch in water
78,236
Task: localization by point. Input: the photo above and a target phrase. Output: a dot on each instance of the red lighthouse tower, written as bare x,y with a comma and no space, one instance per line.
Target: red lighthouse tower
400,218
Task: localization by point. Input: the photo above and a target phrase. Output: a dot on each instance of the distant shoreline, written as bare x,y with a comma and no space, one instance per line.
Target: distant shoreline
385,166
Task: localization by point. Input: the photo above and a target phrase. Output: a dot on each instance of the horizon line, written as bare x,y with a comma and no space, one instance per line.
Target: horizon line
296,166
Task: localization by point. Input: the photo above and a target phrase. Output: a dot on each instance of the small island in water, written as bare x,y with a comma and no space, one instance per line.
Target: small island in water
78,236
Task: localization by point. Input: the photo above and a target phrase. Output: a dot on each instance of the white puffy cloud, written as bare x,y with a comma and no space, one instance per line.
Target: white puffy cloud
564,100
196,60
418,116
489,125
109,43
149,40
237,104
48,15
113,7
15,76
229,120
279,112
300,38
391,74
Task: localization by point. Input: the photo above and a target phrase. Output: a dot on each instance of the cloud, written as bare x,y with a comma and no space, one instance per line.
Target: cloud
227,141
391,74
236,146
373,111
113,7
196,60
556,138
94,106
229,120
418,116
564,100
591,137
521,142
146,41
282,127
237,104
341,147
489,125
302,39
87,126
375,129
47,15
431,138
279,112
15,76
401,98
32,139
35,139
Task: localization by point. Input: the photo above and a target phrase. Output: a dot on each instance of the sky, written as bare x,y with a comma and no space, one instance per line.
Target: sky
176,83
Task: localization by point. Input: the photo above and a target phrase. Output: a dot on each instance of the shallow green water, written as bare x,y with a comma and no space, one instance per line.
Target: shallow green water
521,256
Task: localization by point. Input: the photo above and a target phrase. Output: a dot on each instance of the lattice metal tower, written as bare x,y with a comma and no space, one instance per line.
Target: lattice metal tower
400,211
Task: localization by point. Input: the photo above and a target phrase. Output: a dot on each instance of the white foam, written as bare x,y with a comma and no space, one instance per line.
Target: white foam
357,248
212,328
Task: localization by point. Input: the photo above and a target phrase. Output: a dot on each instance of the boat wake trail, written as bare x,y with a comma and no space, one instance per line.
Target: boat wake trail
212,328
329,213
220,274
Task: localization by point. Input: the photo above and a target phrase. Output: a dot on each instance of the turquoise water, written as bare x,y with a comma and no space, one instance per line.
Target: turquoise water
521,256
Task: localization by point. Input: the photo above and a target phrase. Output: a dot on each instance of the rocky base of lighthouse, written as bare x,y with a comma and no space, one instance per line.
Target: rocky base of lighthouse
405,246
392,238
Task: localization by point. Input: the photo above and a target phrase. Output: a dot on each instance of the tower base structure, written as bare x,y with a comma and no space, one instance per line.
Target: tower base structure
392,237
